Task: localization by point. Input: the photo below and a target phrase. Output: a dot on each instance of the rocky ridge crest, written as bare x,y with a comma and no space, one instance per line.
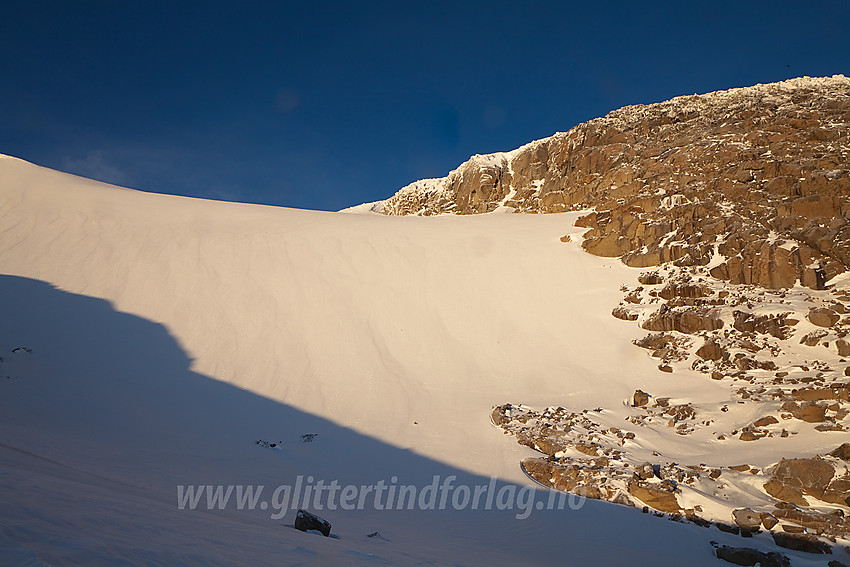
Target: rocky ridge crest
752,182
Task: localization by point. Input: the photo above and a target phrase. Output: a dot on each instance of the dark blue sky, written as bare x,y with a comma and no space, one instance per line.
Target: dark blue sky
324,105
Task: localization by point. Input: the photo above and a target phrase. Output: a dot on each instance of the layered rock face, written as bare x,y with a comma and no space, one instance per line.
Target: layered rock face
752,182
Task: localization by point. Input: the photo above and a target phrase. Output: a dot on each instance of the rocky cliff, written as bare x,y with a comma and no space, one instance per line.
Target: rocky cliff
727,193
753,183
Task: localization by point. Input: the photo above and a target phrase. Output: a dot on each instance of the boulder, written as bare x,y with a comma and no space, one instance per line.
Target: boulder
548,446
812,475
624,313
654,496
746,518
785,493
801,542
809,412
710,350
609,246
688,290
684,320
838,491
305,521
645,471
586,221
769,521
750,557
842,452
813,338
774,325
640,398
792,478
589,449
823,317
751,434
819,394
827,524
647,278
765,421
499,415
569,477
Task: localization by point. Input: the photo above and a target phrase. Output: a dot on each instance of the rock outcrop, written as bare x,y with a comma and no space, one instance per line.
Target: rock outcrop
794,478
587,458
306,521
659,497
738,201
750,557
823,317
686,321
759,176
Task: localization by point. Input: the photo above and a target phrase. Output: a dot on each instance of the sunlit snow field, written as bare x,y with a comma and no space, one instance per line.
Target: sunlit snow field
168,335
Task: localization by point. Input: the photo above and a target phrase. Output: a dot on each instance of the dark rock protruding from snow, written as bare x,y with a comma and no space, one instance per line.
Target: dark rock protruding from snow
746,518
640,398
801,542
750,557
306,521
842,452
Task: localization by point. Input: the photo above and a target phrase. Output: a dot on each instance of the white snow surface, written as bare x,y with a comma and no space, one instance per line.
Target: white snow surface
169,334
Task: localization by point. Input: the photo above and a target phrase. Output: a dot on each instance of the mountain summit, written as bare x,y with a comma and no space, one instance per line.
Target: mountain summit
758,175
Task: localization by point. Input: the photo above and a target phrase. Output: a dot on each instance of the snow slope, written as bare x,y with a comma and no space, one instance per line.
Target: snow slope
169,334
